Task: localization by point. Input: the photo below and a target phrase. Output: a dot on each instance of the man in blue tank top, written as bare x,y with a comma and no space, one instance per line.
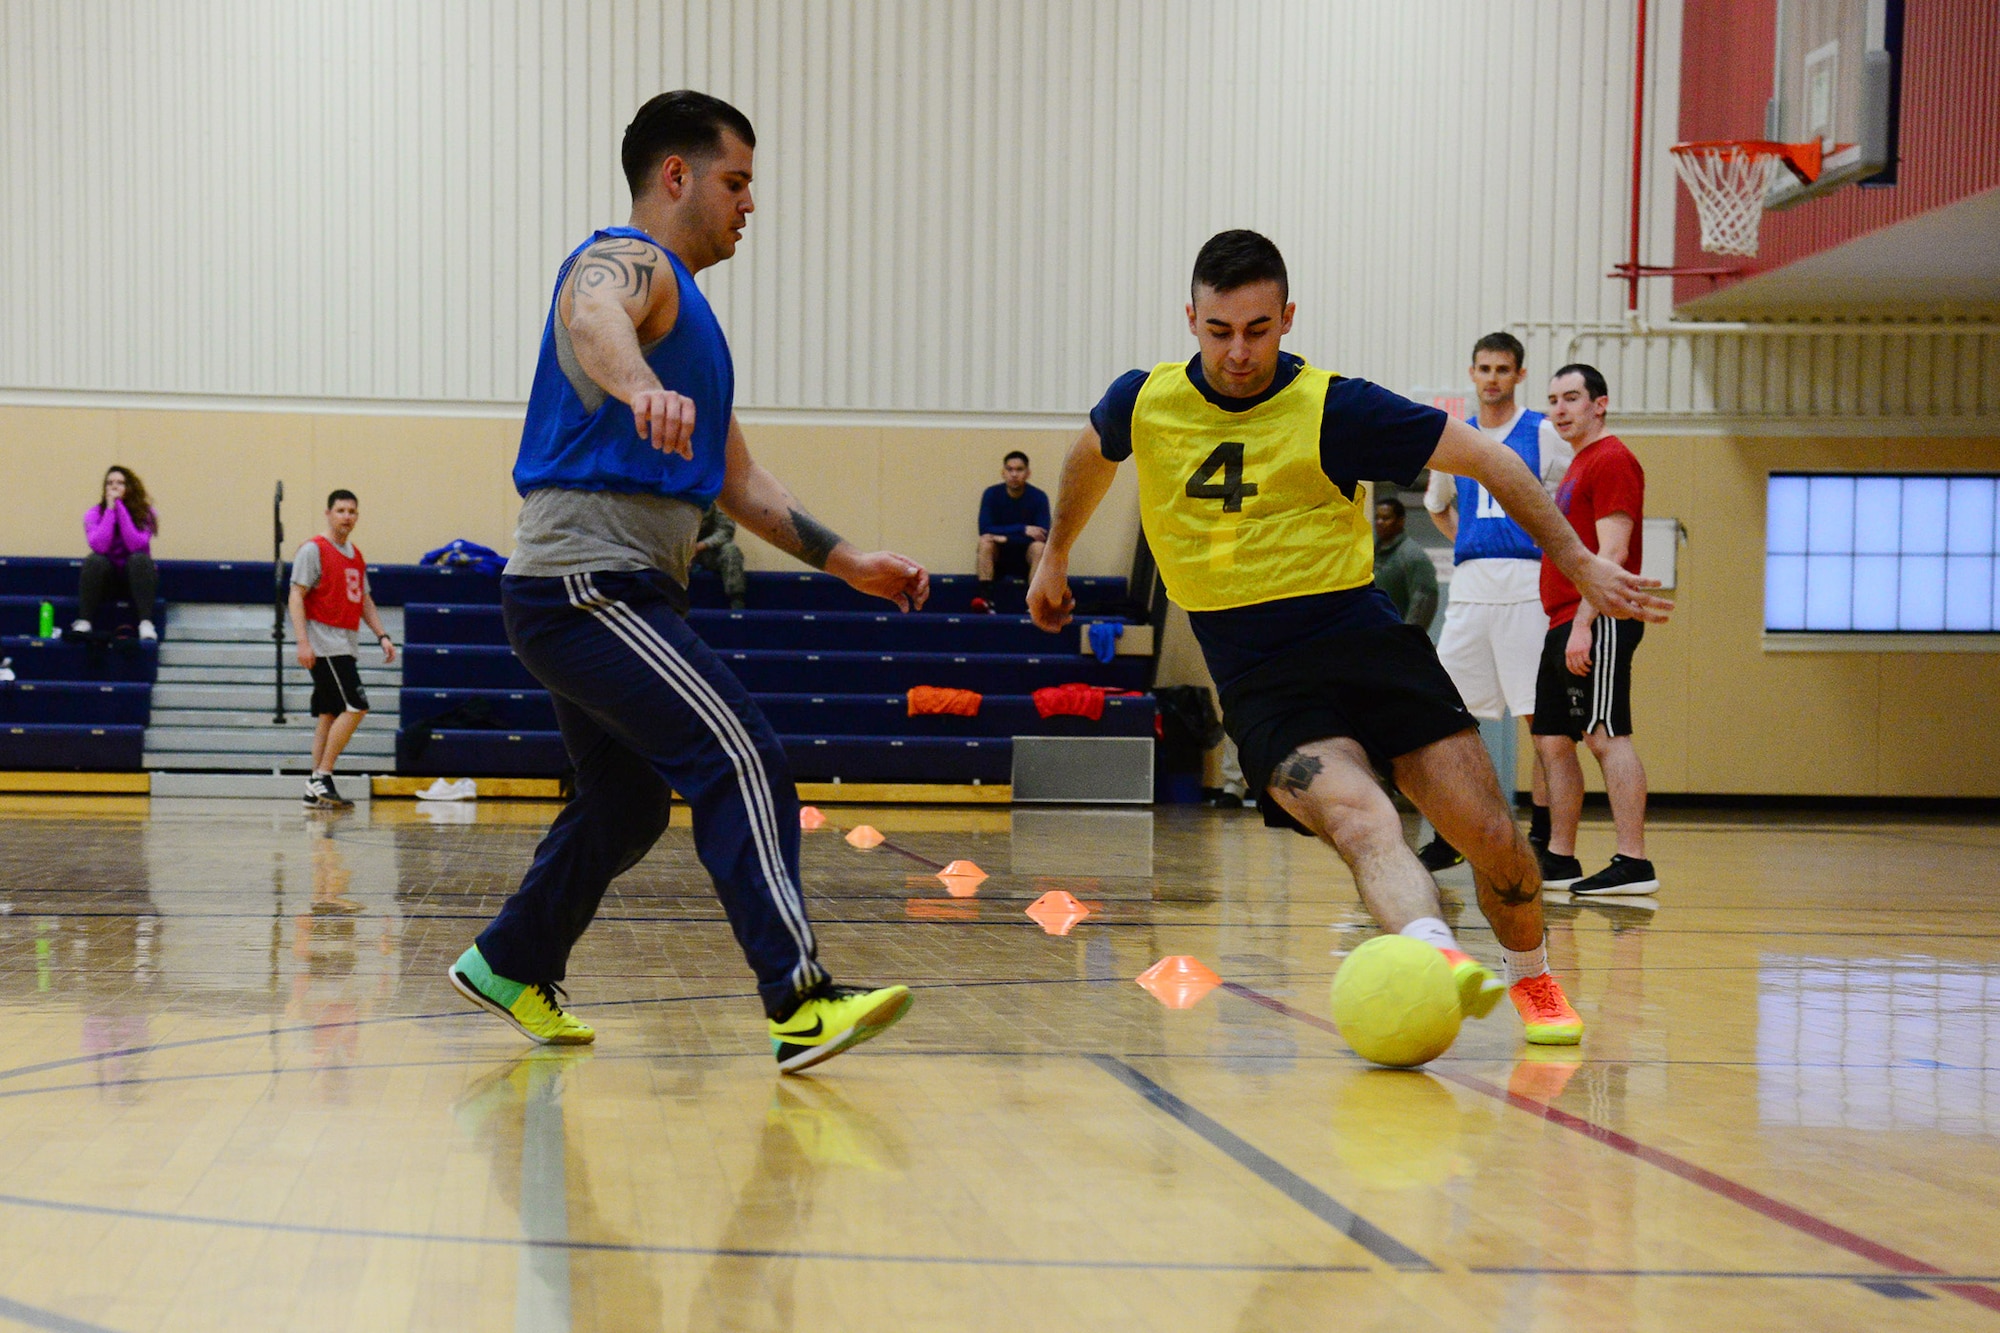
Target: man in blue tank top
1494,623
629,436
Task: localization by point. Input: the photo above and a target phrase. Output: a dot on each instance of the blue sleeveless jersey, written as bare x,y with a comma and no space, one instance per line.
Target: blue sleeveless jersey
567,444
1484,530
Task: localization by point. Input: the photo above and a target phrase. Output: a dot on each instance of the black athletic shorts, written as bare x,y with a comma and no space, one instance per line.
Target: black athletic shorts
337,686
1567,704
1382,686
1011,560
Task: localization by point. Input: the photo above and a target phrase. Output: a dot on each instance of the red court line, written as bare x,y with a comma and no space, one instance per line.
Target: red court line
1736,1192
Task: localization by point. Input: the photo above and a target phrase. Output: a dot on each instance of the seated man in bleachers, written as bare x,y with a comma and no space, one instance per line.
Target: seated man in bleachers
716,551
1013,528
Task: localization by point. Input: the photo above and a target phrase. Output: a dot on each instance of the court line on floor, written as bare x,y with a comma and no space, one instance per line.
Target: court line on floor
1271,1171
266,1033
634,1247
1899,1263
36,1317
475,1059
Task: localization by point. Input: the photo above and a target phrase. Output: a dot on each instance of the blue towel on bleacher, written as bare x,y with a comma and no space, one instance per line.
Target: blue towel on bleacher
1104,636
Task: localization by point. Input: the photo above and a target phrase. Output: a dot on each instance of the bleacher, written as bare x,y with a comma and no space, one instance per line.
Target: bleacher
73,704
827,664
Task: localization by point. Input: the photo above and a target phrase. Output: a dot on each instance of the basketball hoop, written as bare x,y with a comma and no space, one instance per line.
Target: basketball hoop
1729,179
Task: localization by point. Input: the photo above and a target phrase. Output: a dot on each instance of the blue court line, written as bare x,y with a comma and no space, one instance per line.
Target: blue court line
474,1059
467,1011
632,1247
35,1317
1271,1171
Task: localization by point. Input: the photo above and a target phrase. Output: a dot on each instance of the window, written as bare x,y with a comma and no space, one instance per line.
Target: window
1876,554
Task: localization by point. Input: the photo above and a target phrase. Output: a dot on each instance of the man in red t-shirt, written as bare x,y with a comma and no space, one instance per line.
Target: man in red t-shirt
330,598
1584,689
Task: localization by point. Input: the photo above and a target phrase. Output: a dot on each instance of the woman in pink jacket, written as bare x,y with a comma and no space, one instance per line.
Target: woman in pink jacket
121,527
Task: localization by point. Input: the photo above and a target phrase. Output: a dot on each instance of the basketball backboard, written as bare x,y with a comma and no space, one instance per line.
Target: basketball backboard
1835,78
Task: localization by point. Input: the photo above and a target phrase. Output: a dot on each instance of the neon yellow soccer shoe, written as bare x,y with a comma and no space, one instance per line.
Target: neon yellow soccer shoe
833,1019
535,1009
1478,989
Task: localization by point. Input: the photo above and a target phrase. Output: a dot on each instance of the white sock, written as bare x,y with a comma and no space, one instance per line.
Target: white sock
1521,963
322,772
1431,930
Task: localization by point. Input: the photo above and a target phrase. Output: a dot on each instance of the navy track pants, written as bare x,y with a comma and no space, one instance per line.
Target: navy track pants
644,705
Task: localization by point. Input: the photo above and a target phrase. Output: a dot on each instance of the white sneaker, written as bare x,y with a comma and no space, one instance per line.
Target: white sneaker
147,633
463,789
79,626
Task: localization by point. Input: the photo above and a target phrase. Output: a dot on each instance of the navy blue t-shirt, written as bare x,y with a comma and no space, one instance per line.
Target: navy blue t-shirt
1366,433
1002,515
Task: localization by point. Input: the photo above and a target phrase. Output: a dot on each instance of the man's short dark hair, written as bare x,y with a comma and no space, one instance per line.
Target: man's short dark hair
1013,454
1593,379
1233,259
1502,341
684,124
336,497
1402,510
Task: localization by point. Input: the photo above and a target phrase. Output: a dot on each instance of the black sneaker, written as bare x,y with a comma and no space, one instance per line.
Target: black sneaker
315,797
1558,872
1625,875
1437,854
331,796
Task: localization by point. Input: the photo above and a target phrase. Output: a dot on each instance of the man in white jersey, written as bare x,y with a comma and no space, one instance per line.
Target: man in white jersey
1494,624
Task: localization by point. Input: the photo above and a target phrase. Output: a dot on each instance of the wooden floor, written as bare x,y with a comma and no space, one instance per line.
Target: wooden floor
238,1093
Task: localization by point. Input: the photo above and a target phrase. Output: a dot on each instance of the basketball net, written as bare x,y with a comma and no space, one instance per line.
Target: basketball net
1729,179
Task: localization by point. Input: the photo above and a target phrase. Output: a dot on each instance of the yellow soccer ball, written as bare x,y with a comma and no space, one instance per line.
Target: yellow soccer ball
1395,1002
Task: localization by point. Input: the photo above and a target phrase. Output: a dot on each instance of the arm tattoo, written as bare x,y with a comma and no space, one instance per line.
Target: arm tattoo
1296,774
814,540
621,267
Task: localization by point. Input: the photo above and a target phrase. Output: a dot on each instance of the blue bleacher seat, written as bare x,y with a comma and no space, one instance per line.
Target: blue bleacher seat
40,575
883,630
88,703
73,659
772,672
885,758
72,747
814,714
23,615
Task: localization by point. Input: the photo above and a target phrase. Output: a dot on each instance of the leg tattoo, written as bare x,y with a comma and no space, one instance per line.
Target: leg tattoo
1296,774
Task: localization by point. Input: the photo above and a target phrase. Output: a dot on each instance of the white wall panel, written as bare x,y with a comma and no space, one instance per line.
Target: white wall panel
983,206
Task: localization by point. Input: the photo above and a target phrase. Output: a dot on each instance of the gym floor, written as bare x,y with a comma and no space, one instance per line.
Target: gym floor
239,1093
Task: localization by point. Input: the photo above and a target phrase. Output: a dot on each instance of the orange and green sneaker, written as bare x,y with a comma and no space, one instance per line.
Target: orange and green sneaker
1478,989
1545,1011
536,1009
832,1019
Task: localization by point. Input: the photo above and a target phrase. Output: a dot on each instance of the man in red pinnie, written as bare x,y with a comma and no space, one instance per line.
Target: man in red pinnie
330,598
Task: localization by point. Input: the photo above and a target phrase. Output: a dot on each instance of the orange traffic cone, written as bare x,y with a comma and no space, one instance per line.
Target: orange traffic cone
961,870
1057,912
864,836
1179,981
810,818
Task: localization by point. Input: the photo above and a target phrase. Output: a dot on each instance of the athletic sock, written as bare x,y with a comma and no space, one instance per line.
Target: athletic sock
1431,930
1521,963
1538,824
986,589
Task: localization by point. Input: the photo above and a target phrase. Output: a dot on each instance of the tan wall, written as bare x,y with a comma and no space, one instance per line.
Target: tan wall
424,480
1716,713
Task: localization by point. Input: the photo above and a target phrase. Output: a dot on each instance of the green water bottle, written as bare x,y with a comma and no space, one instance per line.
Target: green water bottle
48,620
